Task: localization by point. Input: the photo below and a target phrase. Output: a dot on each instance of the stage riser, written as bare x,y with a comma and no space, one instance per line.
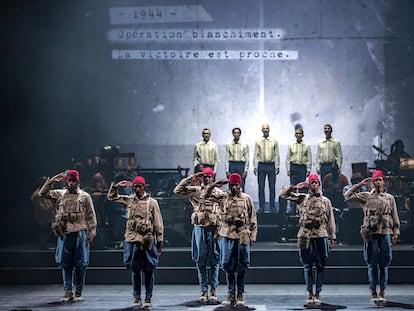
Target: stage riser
182,258
262,275
269,265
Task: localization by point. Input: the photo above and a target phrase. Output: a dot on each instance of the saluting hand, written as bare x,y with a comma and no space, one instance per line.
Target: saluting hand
196,176
124,183
366,181
301,185
58,178
220,183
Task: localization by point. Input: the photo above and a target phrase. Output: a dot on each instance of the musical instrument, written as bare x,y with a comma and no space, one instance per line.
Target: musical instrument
360,167
407,166
387,155
380,151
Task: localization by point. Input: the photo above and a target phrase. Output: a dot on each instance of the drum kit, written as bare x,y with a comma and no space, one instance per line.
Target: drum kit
399,175
399,181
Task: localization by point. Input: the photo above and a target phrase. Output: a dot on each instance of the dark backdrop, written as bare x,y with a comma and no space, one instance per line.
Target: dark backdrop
64,96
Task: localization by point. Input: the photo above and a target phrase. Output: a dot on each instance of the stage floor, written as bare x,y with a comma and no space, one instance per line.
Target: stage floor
183,297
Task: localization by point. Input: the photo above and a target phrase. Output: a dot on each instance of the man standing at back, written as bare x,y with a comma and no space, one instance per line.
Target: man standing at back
329,152
298,162
206,153
266,164
237,157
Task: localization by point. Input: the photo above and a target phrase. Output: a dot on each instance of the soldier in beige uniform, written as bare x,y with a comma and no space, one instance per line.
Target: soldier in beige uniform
237,231
75,227
380,230
316,235
143,235
205,219
329,151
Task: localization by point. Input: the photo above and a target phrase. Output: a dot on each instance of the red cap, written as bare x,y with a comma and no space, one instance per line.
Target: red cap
314,177
377,174
234,179
72,174
208,171
139,180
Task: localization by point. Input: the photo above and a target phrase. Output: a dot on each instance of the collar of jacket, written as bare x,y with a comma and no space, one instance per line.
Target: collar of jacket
315,194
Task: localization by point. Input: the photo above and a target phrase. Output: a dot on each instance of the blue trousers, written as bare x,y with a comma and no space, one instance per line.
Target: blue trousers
137,281
72,255
266,170
325,169
297,173
205,250
378,256
315,256
234,258
140,260
238,168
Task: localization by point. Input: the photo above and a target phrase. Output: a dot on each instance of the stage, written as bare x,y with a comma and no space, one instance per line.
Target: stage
271,263
183,298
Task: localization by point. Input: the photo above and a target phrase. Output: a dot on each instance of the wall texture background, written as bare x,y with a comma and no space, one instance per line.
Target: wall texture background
67,88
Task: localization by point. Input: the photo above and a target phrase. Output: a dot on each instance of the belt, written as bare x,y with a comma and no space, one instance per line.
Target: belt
327,163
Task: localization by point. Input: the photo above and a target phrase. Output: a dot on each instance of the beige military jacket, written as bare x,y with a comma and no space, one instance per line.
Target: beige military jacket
316,217
205,202
238,214
380,210
143,215
75,209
